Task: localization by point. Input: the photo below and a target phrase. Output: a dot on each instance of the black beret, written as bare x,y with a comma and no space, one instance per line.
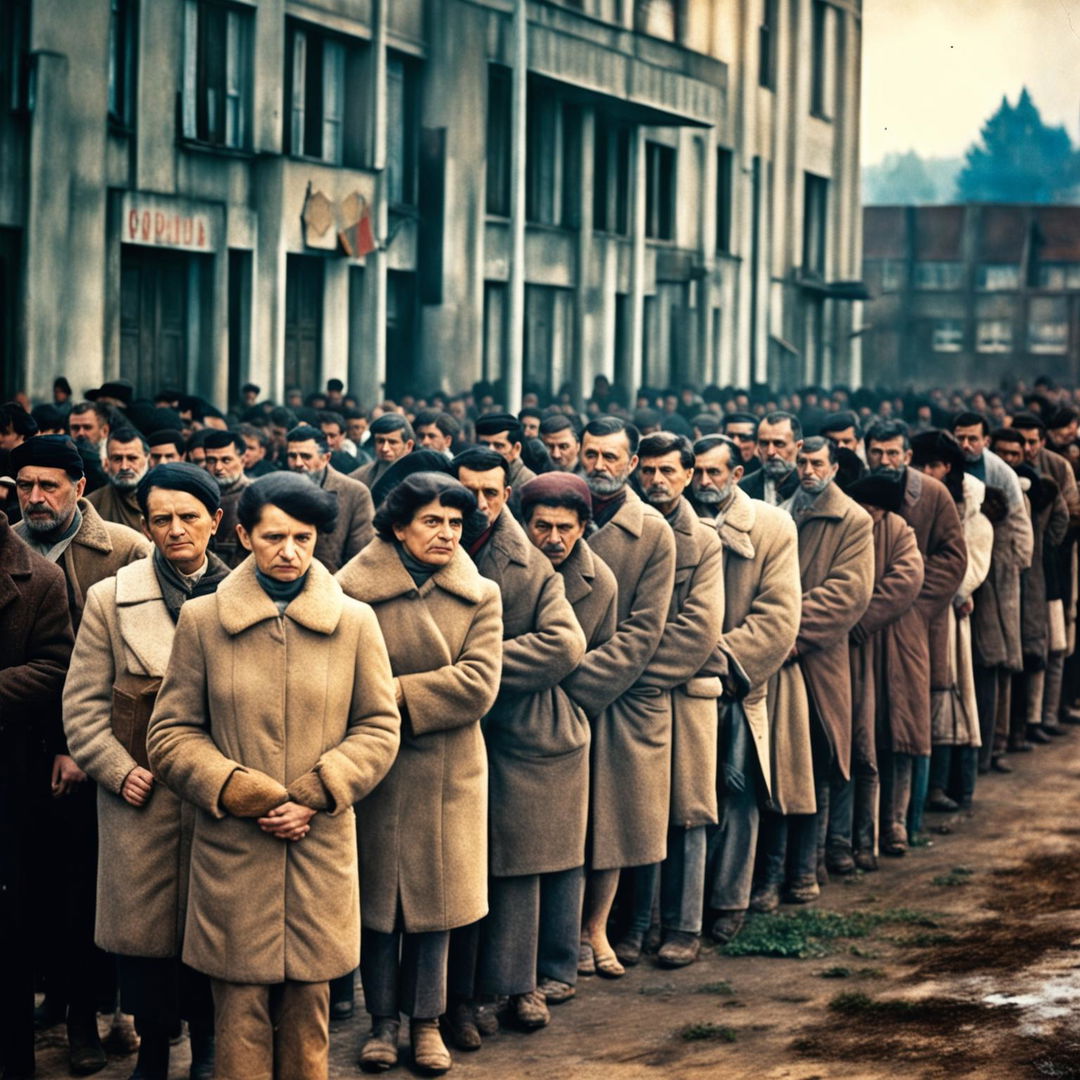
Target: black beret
49,452
415,462
180,476
493,423
934,445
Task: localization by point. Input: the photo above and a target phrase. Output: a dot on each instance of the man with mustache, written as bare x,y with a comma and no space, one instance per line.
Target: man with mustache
779,437
127,458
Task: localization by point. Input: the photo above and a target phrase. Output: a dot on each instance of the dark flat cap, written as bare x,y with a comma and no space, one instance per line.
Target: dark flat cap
414,462
180,476
49,452
493,423
552,486
218,440
117,390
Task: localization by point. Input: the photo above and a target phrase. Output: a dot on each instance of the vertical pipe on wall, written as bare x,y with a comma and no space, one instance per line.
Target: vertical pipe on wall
513,369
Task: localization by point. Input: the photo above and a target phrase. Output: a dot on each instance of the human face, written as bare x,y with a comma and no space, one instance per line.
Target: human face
126,464
745,435
1009,452
253,451
334,436
283,547
390,446
555,530
888,456
47,497
816,472
564,448
278,435
433,534
972,441
489,488
714,478
846,439
501,444
608,462
777,447
162,453
356,428
225,465
431,438
86,427
180,527
1033,443
937,469
663,480
307,457
197,456
530,427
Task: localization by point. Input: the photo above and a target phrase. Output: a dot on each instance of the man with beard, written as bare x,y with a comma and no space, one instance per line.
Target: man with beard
762,595
779,438
309,453
391,437
126,462
929,509
631,780
225,463
836,566
691,634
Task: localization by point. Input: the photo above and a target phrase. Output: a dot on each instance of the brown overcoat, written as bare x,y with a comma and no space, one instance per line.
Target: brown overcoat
690,638
247,688
119,507
631,723
369,474
537,739
836,565
593,593
423,831
353,530
226,544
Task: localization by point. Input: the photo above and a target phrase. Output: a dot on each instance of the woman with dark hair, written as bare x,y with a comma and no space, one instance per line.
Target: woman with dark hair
275,715
423,831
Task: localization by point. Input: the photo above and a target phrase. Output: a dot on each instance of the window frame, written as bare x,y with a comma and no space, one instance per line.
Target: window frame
990,277
725,199
661,182
947,336
499,137
122,62
947,276
986,341
1051,347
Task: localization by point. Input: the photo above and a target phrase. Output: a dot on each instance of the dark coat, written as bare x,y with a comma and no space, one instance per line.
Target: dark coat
754,485
226,544
1050,522
117,506
353,531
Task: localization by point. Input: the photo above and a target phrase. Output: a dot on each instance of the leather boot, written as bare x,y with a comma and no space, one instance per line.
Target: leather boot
202,1051
86,1055
429,1051
726,926
380,1049
153,1060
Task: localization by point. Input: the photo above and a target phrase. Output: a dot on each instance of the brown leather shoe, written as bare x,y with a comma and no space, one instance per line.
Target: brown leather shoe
865,861
726,926
1000,764
894,839
530,1010
802,891
429,1051
839,860
86,1055
487,1018
678,949
380,1049
556,991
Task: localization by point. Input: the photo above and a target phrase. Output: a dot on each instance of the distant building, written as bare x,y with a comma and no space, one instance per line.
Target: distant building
415,193
967,295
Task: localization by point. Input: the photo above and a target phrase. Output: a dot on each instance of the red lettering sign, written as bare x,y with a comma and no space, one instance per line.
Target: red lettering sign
162,228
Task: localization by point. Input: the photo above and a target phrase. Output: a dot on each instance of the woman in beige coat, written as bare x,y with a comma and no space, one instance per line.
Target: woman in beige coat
144,830
276,714
423,832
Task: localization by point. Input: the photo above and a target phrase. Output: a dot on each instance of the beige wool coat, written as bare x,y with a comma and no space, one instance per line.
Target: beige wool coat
123,645
537,738
836,565
593,593
631,722
424,830
247,688
689,641
353,530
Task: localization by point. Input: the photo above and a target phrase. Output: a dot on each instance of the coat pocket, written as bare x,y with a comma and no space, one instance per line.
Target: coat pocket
132,703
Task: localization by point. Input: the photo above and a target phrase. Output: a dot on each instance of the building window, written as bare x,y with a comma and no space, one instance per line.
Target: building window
611,178
823,71
937,274
999,276
499,138
993,336
402,128
657,18
948,336
659,191
122,42
1048,325
15,53
543,121
217,74
1059,276
725,197
892,275
815,216
767,44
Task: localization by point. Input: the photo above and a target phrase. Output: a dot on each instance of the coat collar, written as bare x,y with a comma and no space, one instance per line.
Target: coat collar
145,624
137,582
913,486
734,531
508,538
830,505
377,574
578,572
15,562
242,603
684,520
92,532
630,517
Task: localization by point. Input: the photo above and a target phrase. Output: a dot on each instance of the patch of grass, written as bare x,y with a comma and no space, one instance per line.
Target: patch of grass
722,988
708,1032
656,991
959,875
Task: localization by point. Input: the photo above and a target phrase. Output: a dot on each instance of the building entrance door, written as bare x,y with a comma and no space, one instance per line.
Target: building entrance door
153,319
303,321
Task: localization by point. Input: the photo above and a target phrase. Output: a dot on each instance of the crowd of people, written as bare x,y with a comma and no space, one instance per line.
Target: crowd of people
473,703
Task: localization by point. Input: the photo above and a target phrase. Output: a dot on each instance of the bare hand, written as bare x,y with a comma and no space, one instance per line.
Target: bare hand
137,786
65,775
289,821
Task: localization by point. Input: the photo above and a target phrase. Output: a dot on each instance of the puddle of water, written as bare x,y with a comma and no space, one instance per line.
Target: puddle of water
1043,994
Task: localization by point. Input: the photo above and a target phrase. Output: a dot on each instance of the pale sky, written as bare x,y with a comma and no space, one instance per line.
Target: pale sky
934,70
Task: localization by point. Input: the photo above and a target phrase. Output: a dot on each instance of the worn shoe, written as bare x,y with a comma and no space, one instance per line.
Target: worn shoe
487,1018
838,860
1020,746
380,1049
802,891
586,959
628,949
1001,765
530,1010
1035,734
765,898
341,1010
678,949
894,840
726,926
865,861
122,1038
86,1055
555,991
938,801
1050,728
461,1023
429,1051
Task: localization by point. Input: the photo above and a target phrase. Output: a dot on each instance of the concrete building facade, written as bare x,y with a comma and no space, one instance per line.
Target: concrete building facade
416,193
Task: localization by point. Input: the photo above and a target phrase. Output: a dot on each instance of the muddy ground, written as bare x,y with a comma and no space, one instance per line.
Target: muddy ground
960,960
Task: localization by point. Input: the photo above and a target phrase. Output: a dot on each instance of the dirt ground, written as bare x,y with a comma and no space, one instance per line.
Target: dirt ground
960,960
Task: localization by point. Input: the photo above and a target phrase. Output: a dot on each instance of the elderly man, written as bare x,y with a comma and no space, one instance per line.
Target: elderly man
631,788
929,509
225,463
391,437
502,433
836,565
35,628
126,462
537,747
66,529
779,438
742,429
560,437
689,641
762,597
309,453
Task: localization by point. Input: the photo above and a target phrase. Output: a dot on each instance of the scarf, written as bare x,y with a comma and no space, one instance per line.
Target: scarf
418,571
283,593
52,544
605,507
177,587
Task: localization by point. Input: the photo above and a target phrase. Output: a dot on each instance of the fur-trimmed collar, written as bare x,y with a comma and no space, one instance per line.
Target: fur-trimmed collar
377,574
734,531
137,583
242,601
92,532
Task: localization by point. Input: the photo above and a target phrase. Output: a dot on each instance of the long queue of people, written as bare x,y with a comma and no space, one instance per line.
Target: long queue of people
284,698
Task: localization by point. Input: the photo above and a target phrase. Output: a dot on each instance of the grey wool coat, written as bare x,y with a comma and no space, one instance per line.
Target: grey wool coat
631,721
688,643
286,695
424,830
537,738
123,645
353,531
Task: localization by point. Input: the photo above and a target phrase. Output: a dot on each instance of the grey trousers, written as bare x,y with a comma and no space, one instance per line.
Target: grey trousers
993,694
403,972
561,897
678,882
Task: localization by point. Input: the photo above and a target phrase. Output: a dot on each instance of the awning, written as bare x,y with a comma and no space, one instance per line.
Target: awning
837,290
